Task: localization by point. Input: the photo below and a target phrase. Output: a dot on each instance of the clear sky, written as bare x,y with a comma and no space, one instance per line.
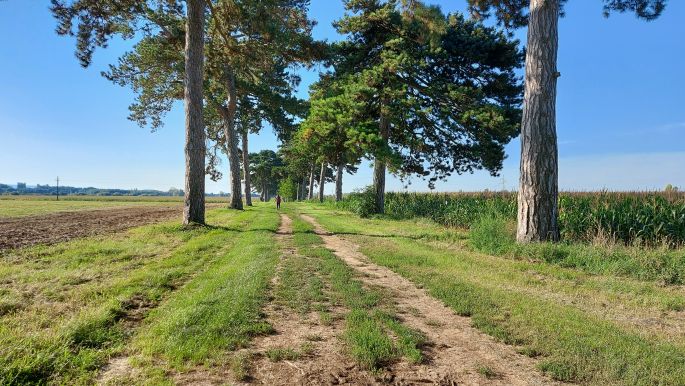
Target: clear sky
621,107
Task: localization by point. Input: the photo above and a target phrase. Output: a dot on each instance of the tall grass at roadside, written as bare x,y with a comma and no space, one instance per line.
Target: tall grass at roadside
494,234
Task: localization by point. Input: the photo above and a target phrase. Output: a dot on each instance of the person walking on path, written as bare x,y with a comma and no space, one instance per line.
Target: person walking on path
278,201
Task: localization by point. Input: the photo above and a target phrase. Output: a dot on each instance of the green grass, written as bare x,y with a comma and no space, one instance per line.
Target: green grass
241,365
301,286
370,322
282,353
496,235
585,328
218,310
486,371
68,307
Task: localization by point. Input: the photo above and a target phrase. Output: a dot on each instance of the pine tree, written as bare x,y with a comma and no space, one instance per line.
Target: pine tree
333,129
94,23
249,47
538,185
440,92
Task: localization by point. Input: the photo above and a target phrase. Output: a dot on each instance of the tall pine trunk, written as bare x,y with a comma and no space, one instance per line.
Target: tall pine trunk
232,140
379,165
538,185
338,181
310,193
322,179
246,169
194,198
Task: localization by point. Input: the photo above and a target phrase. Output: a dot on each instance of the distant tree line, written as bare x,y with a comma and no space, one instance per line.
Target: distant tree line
47,190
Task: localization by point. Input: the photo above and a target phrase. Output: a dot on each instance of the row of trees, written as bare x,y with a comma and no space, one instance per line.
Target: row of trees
227,60
431,95
419,92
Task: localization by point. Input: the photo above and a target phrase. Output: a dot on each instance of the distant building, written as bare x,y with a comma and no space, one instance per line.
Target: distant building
21,185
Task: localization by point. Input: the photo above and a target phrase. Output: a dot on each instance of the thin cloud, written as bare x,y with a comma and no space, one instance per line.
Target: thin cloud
672,126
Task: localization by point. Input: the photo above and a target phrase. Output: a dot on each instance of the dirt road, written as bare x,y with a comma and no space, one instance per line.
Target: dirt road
457,350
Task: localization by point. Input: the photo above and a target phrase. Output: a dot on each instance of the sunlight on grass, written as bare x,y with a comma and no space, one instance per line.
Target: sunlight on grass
370,321
585,327
68,307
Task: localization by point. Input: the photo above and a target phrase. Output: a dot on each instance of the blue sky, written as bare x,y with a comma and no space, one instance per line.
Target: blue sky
621,108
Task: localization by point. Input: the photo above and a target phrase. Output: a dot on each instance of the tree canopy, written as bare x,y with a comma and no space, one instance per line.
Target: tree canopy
429,94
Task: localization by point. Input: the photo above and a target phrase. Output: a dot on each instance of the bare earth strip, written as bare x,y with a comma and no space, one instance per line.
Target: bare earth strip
64,226
457,350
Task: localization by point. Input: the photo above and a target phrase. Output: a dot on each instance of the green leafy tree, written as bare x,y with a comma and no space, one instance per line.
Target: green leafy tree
288,188
299,165
538,185
94,23
440,92
265,167
334,130
250,42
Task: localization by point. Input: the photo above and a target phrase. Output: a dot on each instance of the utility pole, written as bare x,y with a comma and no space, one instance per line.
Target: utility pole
57,188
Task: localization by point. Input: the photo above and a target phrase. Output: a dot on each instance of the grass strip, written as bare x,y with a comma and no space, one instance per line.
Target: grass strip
77,301
497,235
574,346
219,309
370,320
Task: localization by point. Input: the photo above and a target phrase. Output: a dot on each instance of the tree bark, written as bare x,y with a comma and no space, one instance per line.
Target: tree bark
246,169
338,181
310,194
538,185
194,194
379,165
322,178
231,139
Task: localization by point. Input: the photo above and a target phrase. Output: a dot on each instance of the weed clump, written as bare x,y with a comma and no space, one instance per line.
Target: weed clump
493,234
362,202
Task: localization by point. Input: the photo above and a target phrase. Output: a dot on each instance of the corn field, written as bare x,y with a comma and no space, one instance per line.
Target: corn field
628,217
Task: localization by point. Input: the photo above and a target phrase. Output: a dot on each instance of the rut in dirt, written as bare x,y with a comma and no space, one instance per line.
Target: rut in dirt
457,350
